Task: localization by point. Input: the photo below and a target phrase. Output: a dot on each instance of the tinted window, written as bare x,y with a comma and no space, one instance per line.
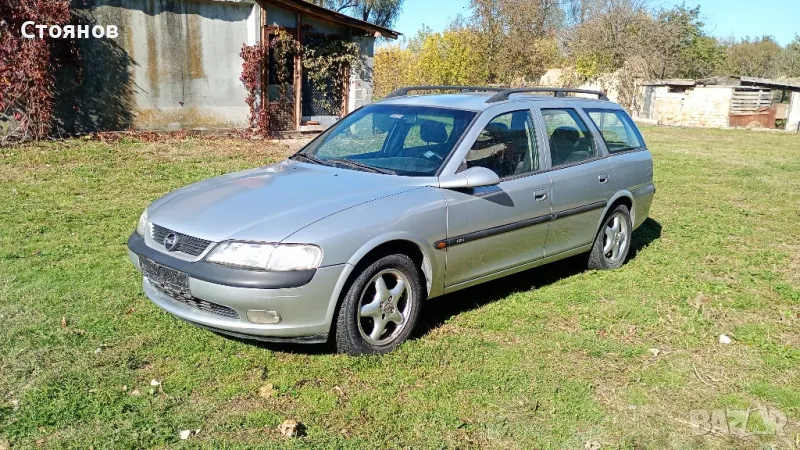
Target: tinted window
570,139
618,131
407,140
507,146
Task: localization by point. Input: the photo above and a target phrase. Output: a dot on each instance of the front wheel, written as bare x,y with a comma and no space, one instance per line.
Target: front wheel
613,241
381,307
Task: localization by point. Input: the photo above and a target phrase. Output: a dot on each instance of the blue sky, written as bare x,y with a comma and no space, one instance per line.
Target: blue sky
724,18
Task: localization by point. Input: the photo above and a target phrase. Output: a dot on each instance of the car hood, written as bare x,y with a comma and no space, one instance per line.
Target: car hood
272,202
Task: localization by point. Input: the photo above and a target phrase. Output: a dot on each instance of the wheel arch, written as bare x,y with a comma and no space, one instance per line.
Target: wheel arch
429,266
620,198
401,243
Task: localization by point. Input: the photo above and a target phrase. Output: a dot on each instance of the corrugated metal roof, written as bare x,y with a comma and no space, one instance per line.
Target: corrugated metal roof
775,84
333,16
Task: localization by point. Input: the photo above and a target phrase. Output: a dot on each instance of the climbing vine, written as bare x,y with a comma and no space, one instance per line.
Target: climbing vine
28,68
255,58
327,62
252,56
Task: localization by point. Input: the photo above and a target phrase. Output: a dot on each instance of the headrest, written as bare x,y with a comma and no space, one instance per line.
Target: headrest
432,132
496,127
567,133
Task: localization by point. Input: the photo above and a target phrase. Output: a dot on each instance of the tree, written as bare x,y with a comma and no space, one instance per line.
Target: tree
379,12
789,59
394,68
681,46
753,58
516,38
451,58
617,32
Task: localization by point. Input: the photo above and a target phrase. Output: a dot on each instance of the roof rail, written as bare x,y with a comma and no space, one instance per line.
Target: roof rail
558,92
402,92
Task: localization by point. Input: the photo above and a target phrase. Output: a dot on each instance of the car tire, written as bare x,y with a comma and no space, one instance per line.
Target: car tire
613,241
381,307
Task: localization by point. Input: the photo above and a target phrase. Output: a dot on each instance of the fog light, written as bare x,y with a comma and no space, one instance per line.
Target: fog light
266,317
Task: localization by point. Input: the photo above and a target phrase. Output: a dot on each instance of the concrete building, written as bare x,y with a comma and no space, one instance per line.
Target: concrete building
740,102
176,64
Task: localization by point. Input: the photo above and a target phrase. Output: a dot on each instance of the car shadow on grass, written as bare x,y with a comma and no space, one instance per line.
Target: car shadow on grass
437,311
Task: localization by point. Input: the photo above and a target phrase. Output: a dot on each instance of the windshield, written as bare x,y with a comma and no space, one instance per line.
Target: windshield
396,139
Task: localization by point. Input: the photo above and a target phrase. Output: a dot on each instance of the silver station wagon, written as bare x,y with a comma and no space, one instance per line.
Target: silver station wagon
403,200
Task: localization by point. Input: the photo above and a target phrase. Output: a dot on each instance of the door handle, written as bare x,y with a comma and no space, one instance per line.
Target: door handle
540,196
603,178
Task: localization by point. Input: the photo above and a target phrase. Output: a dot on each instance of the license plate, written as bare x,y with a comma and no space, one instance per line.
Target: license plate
170,280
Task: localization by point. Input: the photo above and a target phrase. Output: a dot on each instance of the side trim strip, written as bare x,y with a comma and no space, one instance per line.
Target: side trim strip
475,235
647,189
514,226
579,210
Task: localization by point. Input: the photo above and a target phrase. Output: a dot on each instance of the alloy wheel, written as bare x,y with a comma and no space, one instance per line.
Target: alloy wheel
616,238
384,307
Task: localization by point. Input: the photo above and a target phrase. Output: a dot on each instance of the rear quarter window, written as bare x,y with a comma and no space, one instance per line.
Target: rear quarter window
617,128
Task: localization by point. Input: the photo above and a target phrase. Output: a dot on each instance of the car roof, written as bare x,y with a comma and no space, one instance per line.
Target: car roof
476,101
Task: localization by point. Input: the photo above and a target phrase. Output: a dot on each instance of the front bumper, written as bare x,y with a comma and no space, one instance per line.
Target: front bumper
305,303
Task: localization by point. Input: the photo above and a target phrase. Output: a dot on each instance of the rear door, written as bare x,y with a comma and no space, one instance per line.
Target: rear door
582,179
632,162
494,228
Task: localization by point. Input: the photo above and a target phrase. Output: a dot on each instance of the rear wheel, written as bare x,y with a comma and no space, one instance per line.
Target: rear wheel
613,241
381,307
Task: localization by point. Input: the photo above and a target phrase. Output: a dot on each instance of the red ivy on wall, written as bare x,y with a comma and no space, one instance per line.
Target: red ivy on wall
283,46
254,57
28,67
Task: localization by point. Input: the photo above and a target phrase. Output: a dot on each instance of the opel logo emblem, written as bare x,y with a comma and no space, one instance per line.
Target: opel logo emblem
171,242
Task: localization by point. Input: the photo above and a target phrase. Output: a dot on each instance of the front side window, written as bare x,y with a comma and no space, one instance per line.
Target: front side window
570,139
507,146
397,139
618,130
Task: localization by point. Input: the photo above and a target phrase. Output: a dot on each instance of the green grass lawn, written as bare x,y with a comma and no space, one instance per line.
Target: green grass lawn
556,357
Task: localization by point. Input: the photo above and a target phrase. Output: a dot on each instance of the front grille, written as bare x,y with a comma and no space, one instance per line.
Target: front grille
194,302
206,306
186,244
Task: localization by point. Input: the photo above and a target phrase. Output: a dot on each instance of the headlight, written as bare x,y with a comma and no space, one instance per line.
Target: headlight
142,225
266,256
295,257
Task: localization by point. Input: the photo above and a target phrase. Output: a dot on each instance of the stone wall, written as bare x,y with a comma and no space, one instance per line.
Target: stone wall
361,82
705,107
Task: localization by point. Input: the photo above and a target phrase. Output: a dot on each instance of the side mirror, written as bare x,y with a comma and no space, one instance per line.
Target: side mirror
470,178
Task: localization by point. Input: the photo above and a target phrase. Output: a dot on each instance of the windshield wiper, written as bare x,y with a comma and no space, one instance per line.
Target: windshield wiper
358,165
309,158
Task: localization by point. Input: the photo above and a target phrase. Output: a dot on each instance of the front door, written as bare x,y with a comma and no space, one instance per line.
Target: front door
582,180
499,227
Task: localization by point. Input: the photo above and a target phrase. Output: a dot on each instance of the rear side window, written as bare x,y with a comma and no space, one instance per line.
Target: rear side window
618,130
570,139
